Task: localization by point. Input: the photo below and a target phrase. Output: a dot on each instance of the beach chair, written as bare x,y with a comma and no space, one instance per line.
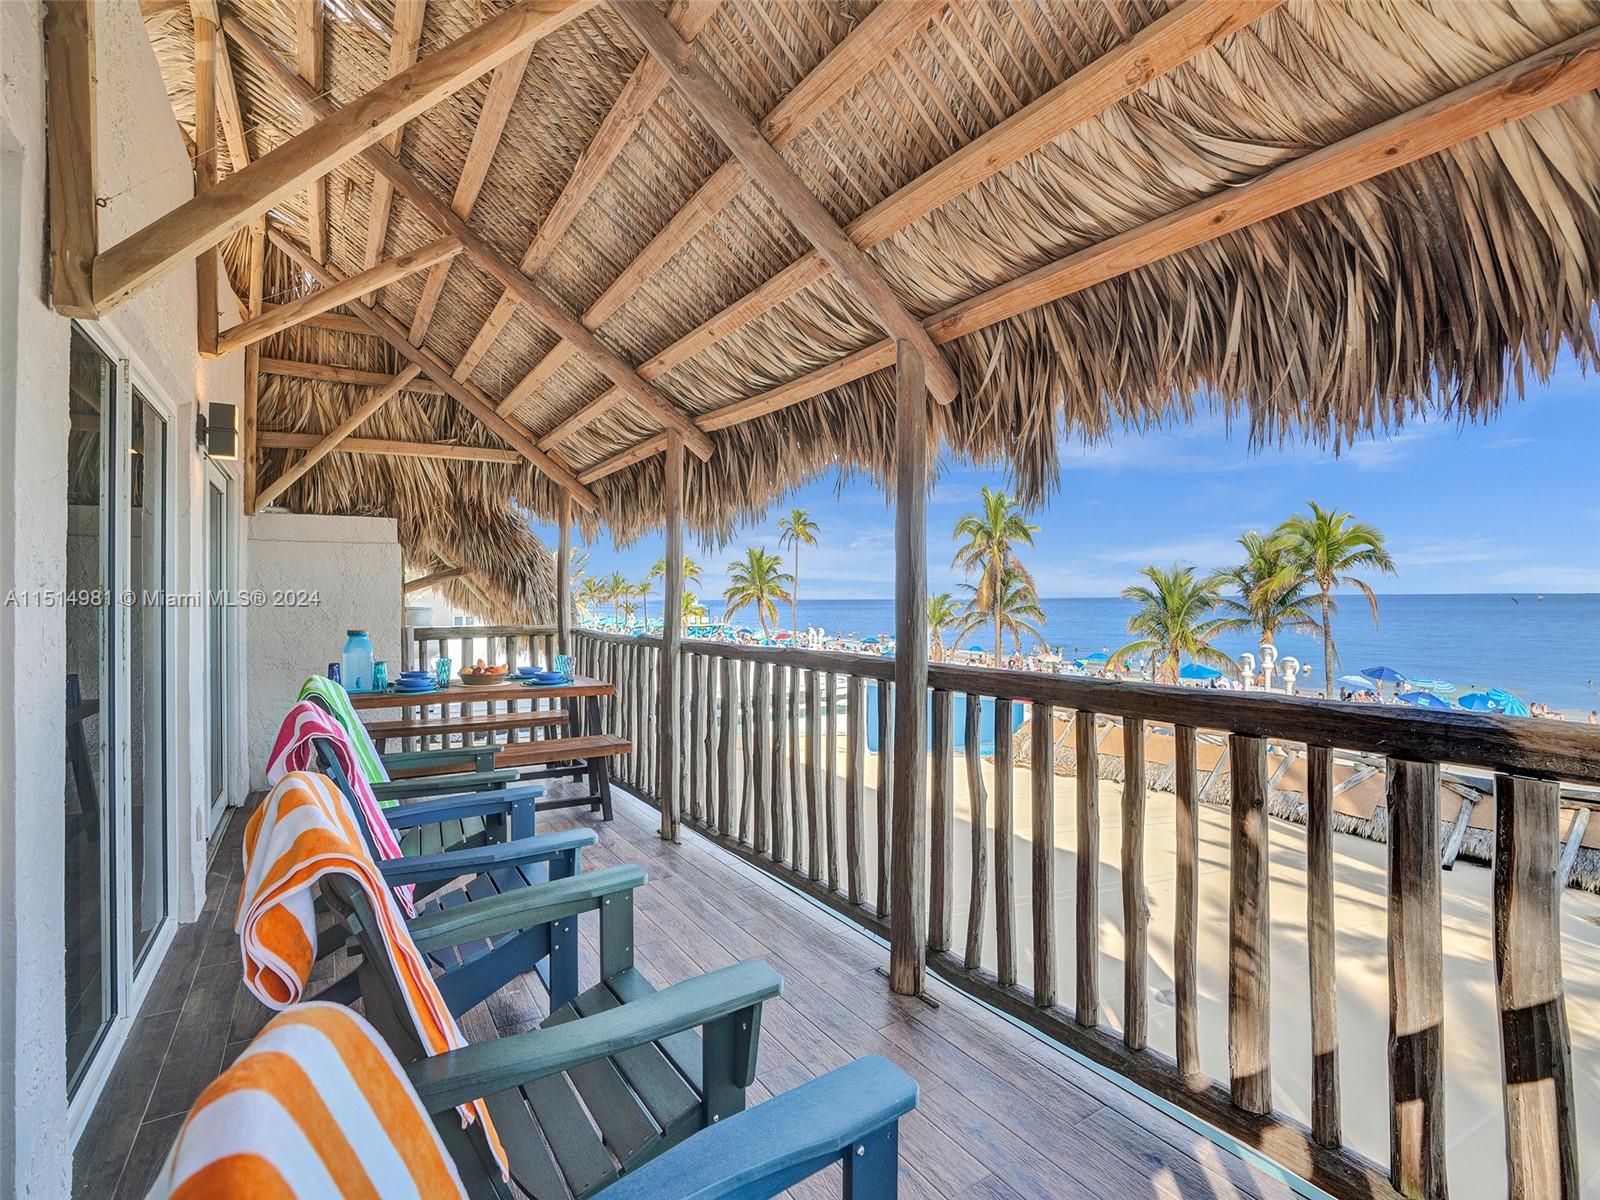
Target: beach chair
447,838
396,1130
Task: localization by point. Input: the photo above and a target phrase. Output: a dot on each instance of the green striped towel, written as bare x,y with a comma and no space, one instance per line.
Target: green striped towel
338,702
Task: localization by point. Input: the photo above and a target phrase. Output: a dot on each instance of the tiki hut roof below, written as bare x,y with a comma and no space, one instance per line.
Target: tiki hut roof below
1105,213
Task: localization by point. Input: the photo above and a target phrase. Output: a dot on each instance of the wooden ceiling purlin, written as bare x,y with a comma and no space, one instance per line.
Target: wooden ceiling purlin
384,447
879,35
789,192
1547,78
469,397
180,235
323,373
544,307
616,128
403,47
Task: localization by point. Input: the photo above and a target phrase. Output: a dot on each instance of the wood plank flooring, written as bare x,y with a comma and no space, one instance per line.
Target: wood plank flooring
1001,1116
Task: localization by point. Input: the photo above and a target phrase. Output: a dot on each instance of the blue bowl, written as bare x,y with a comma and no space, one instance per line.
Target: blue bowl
528,672
548,676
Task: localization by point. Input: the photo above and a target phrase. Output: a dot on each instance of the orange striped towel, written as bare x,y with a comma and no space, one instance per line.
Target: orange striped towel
316,1106
302,831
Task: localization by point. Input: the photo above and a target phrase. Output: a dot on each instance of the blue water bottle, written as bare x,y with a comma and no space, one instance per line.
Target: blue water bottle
357,661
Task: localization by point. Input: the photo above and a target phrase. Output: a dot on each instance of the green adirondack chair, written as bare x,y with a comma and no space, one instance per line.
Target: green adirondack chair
610,1080
479,837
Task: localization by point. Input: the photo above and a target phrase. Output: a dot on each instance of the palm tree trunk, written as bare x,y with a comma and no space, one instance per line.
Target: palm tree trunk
794,599
1327,649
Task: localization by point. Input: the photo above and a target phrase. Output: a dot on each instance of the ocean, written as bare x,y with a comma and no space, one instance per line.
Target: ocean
1543,649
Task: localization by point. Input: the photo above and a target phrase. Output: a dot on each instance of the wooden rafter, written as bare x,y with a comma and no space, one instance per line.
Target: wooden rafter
308,47
540,303
425,581
643,88
181,234
323,373
1546,78
885,30
208,264
403,46
504,84
330,441
334,323
1163,45
228,109
70,155
283,316
385,447
633,454
252,356
789,192
465,394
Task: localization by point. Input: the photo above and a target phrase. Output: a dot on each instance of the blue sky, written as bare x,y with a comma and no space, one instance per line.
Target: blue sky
1513,505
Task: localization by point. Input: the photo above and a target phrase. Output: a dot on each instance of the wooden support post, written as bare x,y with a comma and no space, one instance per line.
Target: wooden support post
1535,1042
977,896
1085,738
1005,905
942,835
205,174
1416,983
1325,1123
70,155
564,574
908,925
1042,758
671,697
1249,930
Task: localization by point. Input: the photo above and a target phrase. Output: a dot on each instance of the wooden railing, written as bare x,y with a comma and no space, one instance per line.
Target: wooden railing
532,645
762,775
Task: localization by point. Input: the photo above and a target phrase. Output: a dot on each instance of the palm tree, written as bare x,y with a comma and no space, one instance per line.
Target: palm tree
992,537
797,529
641,592
694,611
759,580
1270,598
1174,620
691,570
1012,606
944,613
591,595
1321,549
617,588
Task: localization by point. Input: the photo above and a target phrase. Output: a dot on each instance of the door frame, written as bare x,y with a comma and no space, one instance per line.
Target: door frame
216,477
132,980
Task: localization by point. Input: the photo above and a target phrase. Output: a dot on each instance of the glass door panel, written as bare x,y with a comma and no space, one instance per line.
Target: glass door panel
216,648
89,839
147,675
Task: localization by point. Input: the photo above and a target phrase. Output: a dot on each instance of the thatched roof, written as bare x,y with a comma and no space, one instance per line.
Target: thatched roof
1431,288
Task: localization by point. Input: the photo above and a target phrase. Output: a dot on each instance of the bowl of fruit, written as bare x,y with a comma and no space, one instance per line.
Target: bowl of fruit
481,673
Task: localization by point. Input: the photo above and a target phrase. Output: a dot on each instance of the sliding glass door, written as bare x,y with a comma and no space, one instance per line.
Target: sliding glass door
219,570
118,796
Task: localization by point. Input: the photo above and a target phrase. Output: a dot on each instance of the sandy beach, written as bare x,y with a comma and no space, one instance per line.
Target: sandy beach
1473,1094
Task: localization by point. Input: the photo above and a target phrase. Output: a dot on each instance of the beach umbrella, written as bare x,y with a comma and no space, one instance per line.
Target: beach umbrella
869,641
1199,671
1356,683
975,649
1098,657
1423,700
1437,686
1384,675
1496,701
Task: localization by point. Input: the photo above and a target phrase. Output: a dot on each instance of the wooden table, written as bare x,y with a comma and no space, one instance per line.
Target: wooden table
581,688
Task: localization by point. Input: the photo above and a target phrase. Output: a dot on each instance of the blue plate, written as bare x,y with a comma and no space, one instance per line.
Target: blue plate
416,687
536,682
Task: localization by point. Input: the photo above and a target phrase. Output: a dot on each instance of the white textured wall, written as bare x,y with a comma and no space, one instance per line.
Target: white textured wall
353,566
144,172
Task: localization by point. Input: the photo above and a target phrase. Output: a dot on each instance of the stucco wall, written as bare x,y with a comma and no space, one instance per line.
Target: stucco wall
352,566
144,171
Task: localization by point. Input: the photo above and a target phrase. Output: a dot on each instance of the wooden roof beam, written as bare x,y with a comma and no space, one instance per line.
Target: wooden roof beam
203,221
1549,77
324,373
308,46
789,192
70,155
540,303
384,447
629,456
228,109
881,33
616,128
403,46
469,397
503,87
330,441
284,316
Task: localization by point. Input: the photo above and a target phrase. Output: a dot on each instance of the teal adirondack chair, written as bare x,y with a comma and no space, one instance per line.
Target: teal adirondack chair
610,1081
455,836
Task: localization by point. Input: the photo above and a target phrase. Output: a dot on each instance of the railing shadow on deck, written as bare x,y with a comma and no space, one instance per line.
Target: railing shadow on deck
758,723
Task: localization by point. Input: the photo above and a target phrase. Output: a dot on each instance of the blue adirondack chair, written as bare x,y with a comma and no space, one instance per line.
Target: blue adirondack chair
630,1080
450,837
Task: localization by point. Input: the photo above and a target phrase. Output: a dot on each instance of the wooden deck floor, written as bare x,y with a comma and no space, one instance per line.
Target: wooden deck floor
1001,1115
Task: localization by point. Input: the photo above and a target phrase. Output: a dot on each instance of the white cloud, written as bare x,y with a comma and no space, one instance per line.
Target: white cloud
1202,551
1560,577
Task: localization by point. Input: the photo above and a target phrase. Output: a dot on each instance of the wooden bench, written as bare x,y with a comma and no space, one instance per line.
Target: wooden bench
553,758
485,723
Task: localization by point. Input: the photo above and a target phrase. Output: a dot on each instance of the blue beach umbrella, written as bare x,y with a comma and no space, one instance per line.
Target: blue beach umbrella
975,649
869,641
1356,683
1496,701
1438,686
1098,657
1423,700
1199,671
1384,675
